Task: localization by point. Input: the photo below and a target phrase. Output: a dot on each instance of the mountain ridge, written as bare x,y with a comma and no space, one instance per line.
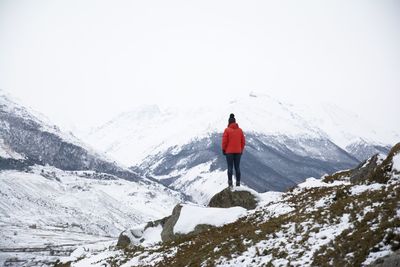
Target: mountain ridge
261,114
24,137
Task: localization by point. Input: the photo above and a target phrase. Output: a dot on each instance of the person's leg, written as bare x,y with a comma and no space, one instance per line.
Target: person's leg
236,161
229,160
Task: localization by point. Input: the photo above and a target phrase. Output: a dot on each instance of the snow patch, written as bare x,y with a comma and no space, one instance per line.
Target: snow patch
359,189
194,215
269,197
396,162
313,182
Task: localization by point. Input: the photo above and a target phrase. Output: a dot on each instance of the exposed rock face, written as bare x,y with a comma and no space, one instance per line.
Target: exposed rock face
365,169
383,172
124,240
389,261
228,198
167,233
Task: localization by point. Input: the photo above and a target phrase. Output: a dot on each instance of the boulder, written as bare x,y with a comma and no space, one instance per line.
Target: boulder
228,198
124,239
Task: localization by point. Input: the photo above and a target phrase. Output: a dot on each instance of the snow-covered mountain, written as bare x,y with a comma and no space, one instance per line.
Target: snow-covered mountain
57,193
151,129
28,138
286,143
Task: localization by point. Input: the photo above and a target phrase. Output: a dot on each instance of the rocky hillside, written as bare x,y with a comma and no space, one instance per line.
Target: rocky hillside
349,218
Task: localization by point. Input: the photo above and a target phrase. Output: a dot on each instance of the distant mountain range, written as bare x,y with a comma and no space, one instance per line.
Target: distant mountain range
180,147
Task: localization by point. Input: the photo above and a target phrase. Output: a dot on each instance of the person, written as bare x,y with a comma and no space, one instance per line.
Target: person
233,142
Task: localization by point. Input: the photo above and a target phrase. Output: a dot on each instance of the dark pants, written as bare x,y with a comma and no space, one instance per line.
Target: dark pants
233,160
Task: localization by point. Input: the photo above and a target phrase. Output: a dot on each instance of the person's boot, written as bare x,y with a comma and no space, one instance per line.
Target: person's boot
230,185
237,183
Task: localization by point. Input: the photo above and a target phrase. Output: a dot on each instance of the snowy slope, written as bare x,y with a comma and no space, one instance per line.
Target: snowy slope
339,220
48,208
57,192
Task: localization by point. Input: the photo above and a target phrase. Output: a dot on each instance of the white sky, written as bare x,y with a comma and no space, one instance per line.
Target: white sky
82,62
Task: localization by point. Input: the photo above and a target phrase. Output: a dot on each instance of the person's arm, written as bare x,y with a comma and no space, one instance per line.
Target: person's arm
224,141
243,141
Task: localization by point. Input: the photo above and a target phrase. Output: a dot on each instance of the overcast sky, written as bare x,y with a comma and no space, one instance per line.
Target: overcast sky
84,61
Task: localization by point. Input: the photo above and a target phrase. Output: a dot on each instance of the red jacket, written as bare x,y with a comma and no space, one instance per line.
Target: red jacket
233,140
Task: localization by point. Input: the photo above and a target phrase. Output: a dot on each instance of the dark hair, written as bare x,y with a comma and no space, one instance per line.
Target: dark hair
231,119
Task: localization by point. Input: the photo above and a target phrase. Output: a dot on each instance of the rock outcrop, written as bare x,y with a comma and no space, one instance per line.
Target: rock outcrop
228,198
376,169
135,236
167,233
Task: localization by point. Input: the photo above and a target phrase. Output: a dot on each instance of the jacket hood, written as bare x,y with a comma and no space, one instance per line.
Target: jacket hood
233,125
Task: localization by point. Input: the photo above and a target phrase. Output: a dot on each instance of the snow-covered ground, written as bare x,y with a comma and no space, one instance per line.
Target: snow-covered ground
50,208
396,162
190,216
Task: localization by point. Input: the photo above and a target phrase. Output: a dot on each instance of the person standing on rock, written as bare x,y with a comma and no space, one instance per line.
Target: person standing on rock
233,142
